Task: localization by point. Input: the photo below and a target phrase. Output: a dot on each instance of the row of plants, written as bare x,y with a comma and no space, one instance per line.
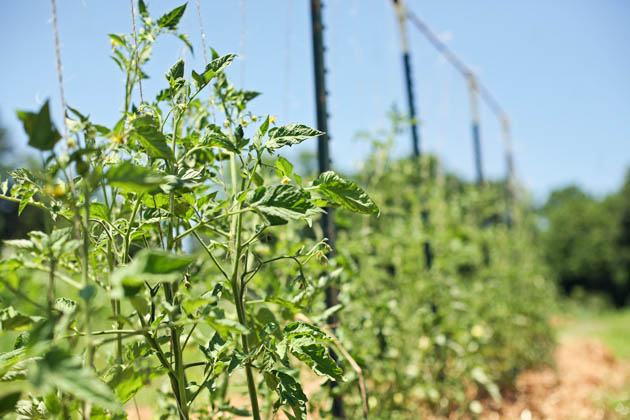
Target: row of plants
444,301
181,255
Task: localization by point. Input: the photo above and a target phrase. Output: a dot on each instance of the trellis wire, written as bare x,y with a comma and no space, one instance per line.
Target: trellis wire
135,41
59,65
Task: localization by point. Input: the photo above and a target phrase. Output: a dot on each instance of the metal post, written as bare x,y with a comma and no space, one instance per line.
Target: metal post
473,91
401,12
323,156
510,182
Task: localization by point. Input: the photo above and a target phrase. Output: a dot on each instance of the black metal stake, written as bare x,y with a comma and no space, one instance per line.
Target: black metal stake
473,91
404,46
510,183
323,157
401,13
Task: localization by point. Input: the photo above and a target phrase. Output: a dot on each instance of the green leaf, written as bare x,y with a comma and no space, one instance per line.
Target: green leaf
176,72
12,320
156,261
116,39
149,265
212,69
147,132
127,381
283,167
225,326
291,394
281,203
133,178
171,19
142,8
40,129
260,133
215,137
344,193
308,343
8,402
289,135
57,369
186,41
25,200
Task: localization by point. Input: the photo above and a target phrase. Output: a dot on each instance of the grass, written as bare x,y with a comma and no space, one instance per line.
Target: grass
610,326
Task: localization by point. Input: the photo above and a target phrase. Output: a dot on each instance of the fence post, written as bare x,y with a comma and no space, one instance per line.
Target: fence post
510,181
401,13
473,91
323,158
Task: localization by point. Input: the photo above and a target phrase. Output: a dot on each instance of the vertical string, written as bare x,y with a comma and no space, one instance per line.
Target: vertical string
203,33
137,55
62,96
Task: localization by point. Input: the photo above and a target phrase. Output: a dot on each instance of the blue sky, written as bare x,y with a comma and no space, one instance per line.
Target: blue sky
560,68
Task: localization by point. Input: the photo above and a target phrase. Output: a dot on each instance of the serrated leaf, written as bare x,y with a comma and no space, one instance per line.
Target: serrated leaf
216,138
19,243
344,193
40,129
308,343
291,394
142,8
57,369
289,135
133,178
281,203
127,381
212,69
149,265
147,132
8,402
176,71
12,320
25,201
225,326
283,167
171,19
187,42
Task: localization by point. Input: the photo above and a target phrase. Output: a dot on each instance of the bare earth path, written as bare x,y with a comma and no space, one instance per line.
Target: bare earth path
585,372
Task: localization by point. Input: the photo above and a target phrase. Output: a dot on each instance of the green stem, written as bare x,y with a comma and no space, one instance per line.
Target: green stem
170,291
134,211
235,236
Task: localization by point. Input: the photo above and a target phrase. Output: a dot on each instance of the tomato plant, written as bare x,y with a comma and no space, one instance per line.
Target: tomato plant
158,229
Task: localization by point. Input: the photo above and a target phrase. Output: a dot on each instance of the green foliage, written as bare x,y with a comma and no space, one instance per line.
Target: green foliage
587,241
180,255
437,340
158,269
42,133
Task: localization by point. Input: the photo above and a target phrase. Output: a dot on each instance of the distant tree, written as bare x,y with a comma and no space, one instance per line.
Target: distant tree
587,241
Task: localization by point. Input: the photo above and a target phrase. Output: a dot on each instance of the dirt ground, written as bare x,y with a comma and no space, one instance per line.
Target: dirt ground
585,373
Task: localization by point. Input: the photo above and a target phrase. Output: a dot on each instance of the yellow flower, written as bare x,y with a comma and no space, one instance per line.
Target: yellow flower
285,180
272,119
57,190
477,331
118,138
424,342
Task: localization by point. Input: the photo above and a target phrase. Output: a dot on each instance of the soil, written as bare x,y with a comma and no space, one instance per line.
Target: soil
585,373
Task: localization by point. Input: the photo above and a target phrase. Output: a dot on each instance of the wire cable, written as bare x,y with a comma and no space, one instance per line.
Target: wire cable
59,65
137,54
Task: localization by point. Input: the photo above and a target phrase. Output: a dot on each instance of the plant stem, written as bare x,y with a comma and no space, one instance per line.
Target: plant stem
235,236
170,290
